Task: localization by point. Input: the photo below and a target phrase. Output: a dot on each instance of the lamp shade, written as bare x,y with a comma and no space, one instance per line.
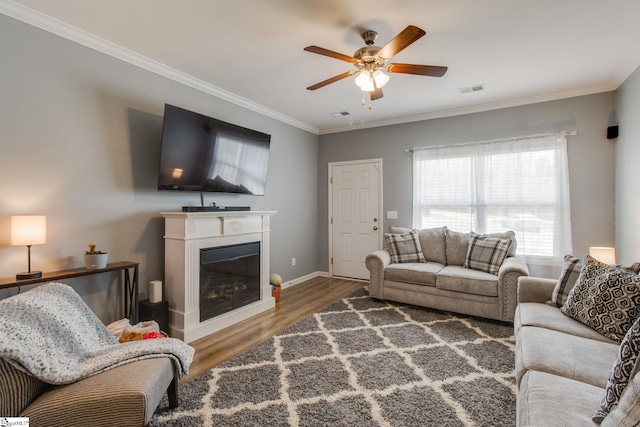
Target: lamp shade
28,230
603,254
365,80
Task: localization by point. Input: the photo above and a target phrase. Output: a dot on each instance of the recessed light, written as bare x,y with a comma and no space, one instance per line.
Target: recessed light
340,114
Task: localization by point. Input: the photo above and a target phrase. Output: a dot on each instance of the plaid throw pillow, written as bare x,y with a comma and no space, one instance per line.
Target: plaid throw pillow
486,253
568,278
623,370
404,247
606,298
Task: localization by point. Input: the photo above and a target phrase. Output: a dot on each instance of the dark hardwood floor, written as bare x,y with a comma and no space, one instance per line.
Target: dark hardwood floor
296,303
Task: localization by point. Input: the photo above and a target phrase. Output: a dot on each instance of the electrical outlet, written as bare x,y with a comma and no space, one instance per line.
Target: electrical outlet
293,261
392,214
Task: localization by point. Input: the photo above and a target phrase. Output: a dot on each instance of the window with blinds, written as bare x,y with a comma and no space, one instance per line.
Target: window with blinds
516,184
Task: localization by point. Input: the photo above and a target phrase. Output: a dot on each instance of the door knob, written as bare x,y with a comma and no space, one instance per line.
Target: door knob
375,228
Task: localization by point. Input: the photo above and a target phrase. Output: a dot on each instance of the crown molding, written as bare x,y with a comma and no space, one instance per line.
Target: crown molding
517,102
59,28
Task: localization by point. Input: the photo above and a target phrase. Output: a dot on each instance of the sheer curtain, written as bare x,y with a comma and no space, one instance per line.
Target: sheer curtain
516,184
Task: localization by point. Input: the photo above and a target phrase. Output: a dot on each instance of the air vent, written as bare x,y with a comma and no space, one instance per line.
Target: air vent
340,114
469,89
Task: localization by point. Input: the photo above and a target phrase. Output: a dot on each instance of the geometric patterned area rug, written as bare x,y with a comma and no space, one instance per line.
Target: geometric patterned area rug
361,362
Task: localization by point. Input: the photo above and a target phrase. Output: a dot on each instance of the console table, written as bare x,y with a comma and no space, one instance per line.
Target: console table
130,283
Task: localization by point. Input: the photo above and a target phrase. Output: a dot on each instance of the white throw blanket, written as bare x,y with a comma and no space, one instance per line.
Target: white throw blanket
52,334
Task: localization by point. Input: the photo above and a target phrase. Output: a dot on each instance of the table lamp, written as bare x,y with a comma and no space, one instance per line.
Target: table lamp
603,254
28,230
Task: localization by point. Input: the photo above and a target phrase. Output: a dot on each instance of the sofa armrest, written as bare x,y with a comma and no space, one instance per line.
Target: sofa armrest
510,271
376,262
535,289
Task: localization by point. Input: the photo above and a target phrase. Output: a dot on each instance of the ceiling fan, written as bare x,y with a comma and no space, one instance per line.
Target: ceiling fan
371,60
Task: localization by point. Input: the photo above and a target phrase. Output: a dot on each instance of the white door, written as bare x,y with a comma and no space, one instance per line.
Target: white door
355,208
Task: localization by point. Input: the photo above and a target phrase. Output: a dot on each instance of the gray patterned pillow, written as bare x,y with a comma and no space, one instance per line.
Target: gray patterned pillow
568,278
404,247
606,298
624,368
486,253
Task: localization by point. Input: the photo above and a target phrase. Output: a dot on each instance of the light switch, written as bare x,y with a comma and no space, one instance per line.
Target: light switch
392,214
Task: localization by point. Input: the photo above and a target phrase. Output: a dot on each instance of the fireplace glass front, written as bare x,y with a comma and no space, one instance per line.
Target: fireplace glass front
229,278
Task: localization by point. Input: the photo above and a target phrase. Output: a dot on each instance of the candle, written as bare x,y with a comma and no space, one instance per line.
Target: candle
155,291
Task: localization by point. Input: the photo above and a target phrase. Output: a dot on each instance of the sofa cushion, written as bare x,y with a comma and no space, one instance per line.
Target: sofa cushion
550,317
553,401
432,241
460,279
584,360
624,368
606,298
126,395
404,247
456,247
433,244
19,389
568,278
423,273
486,253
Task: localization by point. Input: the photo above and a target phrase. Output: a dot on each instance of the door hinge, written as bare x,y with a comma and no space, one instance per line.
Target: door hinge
331,260
331,180
331,220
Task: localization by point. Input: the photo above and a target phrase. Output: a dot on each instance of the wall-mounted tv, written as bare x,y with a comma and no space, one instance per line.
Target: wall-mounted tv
200,153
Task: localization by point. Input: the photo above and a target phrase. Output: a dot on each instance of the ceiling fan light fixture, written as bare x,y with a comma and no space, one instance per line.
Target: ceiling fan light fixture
380,78
364,80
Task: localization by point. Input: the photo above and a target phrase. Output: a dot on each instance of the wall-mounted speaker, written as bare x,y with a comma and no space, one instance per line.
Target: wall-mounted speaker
612,132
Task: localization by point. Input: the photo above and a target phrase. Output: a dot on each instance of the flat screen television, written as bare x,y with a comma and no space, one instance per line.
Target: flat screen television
203,154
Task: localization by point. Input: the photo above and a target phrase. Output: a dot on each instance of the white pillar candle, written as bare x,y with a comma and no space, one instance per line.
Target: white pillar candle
155,291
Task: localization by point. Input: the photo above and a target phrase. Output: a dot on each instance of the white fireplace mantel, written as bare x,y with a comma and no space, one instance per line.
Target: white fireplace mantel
188,232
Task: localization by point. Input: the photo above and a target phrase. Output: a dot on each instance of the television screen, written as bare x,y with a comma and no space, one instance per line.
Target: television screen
199,153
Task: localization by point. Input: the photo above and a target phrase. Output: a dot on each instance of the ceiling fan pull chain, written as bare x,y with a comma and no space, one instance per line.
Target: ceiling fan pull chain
362,97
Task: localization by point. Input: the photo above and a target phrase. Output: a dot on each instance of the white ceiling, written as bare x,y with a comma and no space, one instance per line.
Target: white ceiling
251,51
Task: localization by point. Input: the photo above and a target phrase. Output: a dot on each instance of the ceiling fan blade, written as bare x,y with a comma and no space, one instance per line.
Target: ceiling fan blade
421,70
330,53
376,94
332,80
402,40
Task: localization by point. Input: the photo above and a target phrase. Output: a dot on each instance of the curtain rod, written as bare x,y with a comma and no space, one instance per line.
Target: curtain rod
572,133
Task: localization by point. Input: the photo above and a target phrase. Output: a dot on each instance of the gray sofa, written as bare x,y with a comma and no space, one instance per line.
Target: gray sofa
562,365
442,282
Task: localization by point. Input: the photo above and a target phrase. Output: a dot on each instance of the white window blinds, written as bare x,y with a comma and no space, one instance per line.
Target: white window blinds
517,184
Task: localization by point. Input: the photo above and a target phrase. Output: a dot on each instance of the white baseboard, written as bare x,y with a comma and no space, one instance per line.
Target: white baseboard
304,278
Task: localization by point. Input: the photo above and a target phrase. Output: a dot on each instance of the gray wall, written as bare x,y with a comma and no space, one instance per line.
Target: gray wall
79,143
627,177
591,160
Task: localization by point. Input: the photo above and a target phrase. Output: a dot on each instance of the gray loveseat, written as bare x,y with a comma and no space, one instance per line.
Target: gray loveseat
562,365
441,281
